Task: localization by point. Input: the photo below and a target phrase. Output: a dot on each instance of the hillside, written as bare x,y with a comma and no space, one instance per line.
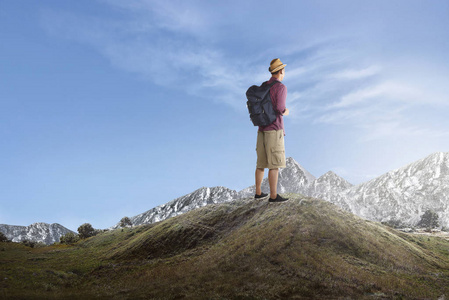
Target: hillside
399,196
244,249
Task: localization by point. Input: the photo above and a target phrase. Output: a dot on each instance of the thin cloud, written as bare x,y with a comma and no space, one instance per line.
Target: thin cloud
354,74
385,90
376,101
140,47
166,43
173,16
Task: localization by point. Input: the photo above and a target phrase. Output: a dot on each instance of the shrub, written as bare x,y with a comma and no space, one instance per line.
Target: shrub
429,220
125,221
69,238
3,237
33,244
394,223
86,230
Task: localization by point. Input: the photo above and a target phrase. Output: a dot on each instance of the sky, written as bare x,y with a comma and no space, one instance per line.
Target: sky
109,108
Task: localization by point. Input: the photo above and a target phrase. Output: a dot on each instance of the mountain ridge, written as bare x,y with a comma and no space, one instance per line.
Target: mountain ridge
198,198
36,232
403,194
335,189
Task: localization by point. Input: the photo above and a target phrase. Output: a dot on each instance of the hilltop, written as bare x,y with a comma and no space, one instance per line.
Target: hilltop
245,249
400,196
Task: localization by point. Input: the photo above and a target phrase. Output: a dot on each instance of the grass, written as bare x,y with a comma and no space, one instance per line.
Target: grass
247,249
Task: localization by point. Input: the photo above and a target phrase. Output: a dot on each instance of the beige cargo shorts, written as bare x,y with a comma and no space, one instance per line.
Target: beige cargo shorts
270,149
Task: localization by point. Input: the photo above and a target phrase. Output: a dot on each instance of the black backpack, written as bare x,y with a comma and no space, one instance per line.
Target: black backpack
260,107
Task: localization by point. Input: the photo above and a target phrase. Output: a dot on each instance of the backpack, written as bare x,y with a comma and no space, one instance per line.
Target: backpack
260,107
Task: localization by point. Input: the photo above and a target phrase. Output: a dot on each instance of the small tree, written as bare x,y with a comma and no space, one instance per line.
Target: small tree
394,223
33,244
69,238
125,221
86,230
3,237
429,220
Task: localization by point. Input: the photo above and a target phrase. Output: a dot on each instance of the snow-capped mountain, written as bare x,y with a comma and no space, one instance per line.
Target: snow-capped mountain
292,179
328,185
37,232
403,194
400,195
198,198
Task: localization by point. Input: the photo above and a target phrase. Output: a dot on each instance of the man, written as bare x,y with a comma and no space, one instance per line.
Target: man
270,139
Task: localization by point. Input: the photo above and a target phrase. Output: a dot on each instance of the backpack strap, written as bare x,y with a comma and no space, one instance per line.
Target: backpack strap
271,84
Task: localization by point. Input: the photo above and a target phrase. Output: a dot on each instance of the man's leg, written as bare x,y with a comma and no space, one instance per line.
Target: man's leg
273,180
259,178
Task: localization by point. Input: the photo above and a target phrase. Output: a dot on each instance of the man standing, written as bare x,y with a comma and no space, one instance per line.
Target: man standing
270,139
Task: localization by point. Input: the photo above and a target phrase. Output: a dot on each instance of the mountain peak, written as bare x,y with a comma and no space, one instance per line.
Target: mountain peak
37,232
293,164
198,198
404,194
294,178
327,185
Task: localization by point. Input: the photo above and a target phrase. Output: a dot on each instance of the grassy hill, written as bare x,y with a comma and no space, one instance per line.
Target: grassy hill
247,249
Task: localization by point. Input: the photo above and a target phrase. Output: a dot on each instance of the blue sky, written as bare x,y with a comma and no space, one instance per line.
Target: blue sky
110,108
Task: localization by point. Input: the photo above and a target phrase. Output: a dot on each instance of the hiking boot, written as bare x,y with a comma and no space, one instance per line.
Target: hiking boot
278,199
263,195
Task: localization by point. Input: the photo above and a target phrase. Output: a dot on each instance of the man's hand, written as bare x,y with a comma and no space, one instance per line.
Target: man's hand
286,112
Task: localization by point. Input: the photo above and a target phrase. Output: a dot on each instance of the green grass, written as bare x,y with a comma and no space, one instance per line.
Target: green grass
248,249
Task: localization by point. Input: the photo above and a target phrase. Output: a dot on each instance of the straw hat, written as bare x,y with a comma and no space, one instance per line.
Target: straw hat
276,65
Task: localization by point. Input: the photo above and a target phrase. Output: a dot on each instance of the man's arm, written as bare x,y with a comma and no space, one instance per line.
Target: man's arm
281,97
286,112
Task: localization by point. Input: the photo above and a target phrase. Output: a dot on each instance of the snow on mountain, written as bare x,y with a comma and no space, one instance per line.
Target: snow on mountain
403,194
292,179
400,195
328,185
196,199
37,232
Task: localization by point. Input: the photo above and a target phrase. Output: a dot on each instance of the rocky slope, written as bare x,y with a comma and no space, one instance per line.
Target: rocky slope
196,199
327,185
37,232
292,179
403,194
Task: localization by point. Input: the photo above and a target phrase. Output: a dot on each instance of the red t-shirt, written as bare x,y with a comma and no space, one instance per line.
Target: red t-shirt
278,93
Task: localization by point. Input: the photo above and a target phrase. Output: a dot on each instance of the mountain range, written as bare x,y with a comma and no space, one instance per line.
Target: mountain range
400,195
199,198
403,194
37,232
